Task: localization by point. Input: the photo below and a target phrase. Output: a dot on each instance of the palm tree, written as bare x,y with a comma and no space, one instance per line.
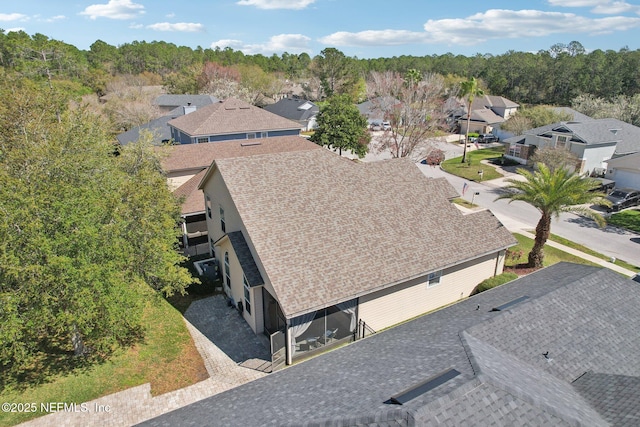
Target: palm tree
553,193
469,90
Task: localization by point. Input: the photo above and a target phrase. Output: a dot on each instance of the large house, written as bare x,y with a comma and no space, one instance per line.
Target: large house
314,247
593,141
186,165
558,347
231,119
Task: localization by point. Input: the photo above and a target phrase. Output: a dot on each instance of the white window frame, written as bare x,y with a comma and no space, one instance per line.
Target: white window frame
562,141
515,150
208,203
202,140
227,271
247,294
434,279
223,223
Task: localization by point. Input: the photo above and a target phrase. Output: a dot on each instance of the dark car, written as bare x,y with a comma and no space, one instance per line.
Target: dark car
488,137
621,198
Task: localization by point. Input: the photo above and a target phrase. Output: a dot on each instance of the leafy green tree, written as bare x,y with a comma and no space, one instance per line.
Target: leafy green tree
337,72
85,237
341,126
533,117
469,90
553,193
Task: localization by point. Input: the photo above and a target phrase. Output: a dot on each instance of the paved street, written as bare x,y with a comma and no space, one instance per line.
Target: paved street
610,241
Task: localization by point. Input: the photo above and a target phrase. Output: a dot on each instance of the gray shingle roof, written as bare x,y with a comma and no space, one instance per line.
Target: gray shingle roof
169,100
245,258
229,117
499,385
599,131
293,109
346,228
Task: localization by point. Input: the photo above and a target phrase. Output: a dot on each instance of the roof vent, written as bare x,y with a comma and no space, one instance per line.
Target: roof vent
250,144
614,131
510,303
423,387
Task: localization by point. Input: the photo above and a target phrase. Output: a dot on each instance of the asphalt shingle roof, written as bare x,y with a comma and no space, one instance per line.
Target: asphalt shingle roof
599,131
293,109
245,258
229,117
499,385
345,228
171,100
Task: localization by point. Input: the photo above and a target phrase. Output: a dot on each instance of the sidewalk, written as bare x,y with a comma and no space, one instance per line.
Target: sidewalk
595,260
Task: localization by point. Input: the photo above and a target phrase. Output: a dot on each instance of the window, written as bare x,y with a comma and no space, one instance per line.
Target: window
514,150
223,225
202,140
212,245
208,206
247,295
254,135
227,270
562,141
434,278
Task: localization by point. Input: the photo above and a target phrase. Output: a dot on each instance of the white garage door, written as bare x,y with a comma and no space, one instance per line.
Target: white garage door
627,179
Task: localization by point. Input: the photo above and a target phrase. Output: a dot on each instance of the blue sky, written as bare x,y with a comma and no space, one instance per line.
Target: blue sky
366,29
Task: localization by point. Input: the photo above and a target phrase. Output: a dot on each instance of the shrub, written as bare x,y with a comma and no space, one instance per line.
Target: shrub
494,281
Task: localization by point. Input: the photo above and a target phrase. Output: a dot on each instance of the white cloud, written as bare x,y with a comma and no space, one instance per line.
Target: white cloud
277,4
55,18
15,30
491,25
8,17
171,15
115,9
135,26
374,38
186,27
602,7
291,43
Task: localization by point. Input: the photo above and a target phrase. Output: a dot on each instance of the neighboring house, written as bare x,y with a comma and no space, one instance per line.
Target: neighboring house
186,165
593,141
625,171
487,112
315,246
231,119
299,110
558,347
173,106
167,103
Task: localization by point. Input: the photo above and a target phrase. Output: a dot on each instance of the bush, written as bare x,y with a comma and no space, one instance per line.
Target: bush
494,281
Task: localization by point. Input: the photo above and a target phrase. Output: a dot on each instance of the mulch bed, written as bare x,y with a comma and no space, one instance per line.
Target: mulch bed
520,269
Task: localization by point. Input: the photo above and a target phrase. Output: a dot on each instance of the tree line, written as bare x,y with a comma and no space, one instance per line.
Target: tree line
554,76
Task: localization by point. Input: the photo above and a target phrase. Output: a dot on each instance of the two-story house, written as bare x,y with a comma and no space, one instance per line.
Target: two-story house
315,248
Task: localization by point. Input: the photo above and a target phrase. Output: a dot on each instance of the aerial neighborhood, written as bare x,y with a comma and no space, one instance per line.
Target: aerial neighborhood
242,240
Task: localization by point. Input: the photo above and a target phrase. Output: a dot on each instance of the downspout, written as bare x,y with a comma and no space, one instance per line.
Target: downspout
287,343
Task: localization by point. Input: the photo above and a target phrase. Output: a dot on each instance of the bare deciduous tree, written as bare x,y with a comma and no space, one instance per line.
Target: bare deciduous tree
413,107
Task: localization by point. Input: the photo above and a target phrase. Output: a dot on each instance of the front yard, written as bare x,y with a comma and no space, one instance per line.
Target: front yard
471,168
629,219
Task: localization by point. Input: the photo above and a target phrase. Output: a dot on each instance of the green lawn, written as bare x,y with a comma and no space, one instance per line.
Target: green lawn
470,170
167,359
586,250
629,219
551,255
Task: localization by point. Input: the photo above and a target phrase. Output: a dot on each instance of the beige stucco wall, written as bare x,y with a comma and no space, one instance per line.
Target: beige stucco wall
396,304
217,190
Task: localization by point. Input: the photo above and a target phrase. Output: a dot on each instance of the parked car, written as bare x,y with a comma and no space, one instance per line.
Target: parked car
488,137
386,126
621,198
375,126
